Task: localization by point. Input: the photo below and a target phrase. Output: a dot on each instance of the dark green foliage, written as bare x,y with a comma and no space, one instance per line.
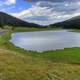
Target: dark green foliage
71,23
6,19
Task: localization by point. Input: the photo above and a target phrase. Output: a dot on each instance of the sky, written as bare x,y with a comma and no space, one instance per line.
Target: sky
43,12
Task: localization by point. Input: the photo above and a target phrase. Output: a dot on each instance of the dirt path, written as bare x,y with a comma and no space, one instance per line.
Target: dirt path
3,31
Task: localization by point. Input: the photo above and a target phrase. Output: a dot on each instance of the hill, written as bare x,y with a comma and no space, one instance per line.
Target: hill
16,66
6,19
70,23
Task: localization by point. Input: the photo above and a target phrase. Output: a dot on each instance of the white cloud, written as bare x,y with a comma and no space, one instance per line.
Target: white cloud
47,12
22,14
10,2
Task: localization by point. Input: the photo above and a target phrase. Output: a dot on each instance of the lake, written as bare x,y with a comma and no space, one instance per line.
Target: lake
46,40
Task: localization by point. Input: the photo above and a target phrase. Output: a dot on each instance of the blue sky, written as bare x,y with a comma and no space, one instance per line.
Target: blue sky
15,6
43,12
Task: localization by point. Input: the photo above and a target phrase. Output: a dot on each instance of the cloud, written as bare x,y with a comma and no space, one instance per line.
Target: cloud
50,11
53,0
22,14
10,2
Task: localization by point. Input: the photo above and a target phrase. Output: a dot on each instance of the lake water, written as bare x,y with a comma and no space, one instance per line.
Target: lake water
46,40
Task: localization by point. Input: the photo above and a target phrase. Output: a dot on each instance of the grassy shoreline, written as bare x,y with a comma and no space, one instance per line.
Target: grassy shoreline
68,55
20,64
26,29
75,30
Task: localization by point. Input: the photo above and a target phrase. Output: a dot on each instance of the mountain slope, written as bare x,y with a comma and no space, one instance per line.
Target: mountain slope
71,23
6,19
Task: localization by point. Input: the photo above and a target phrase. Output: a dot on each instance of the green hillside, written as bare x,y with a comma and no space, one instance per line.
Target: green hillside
19,64
15,66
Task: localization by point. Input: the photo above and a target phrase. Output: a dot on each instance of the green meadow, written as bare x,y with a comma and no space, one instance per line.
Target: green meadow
20,64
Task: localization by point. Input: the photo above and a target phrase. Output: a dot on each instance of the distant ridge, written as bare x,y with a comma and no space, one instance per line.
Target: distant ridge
6,19
70,23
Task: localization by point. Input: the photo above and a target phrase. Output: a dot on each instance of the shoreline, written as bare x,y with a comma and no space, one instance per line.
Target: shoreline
67,55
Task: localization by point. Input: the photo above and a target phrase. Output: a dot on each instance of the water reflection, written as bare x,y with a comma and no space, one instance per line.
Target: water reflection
46,40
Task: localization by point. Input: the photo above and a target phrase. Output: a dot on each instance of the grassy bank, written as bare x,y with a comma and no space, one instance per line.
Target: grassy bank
14,66
68,55
20,64
27,29
75,30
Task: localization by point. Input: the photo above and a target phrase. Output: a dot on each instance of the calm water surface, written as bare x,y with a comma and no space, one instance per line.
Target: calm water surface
46,40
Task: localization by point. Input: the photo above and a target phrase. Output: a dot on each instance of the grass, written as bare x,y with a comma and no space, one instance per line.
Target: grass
14,66
74,30
68,55
27,29
20,64
21,29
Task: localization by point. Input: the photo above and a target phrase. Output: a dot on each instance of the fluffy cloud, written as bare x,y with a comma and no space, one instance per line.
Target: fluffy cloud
48,12
53,0
10,2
